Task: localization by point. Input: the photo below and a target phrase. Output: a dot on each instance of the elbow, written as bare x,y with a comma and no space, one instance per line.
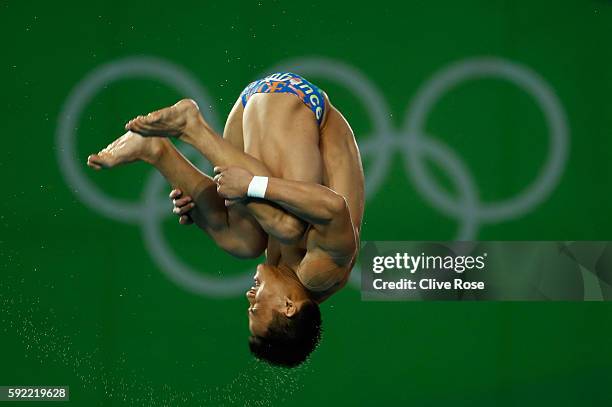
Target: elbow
335,204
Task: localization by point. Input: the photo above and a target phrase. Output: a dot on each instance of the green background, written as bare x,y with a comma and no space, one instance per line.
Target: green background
84,304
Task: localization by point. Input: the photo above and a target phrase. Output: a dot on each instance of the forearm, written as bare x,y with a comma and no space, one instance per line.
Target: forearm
327,211
312,202
276,221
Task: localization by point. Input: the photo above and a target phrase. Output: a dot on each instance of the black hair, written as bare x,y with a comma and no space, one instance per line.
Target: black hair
289,340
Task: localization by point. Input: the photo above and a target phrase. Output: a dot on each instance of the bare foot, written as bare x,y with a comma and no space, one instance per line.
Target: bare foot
173,121
126,149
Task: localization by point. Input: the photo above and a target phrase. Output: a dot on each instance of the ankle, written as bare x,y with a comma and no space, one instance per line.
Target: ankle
157,149
196,129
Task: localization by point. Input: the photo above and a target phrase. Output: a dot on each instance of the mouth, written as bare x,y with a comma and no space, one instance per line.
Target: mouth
251,293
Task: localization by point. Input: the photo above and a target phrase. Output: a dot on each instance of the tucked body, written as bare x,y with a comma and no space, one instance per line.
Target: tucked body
308,220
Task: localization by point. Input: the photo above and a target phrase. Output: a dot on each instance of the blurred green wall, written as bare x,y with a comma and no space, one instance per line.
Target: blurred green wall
86,300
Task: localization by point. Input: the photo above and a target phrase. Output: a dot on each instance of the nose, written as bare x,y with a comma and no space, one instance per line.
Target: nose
259,272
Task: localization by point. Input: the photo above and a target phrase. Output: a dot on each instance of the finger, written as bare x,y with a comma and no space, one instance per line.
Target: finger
182,201
231,202
182,210
185,220
175,193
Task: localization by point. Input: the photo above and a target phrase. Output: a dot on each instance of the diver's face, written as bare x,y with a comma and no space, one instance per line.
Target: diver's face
268,294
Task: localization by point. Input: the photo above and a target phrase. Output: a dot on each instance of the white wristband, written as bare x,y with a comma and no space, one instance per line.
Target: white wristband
257,187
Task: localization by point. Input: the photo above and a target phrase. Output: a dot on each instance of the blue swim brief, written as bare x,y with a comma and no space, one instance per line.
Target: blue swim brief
287,82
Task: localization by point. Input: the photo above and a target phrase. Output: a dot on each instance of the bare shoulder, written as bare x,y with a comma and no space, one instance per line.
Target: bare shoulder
319,273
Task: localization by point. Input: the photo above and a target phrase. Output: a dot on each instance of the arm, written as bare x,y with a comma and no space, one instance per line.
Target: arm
327,211
314,203
324,209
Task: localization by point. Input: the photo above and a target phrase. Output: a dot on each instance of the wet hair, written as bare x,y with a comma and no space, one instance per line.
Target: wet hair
289,340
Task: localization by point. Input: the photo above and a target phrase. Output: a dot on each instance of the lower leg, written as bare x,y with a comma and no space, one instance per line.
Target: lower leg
177,170
183,120
236,232
238,235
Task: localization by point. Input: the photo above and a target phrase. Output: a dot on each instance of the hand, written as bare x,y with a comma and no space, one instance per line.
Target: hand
232,183
182,206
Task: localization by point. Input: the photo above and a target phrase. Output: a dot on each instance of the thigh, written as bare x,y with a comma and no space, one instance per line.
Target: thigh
232,132
283,133
241,221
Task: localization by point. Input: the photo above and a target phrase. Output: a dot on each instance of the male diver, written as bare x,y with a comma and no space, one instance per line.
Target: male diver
289,180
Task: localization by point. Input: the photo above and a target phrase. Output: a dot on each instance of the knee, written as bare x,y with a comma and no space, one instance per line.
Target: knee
245,248
288,229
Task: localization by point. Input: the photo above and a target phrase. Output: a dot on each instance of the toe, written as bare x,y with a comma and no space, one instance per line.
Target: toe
130,125
104,159
153,117
94,162
137,127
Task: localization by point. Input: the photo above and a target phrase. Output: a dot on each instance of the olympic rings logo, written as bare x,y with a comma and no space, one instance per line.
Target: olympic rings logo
411,140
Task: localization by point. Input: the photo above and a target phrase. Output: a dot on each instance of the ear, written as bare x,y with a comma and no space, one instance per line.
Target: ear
289,307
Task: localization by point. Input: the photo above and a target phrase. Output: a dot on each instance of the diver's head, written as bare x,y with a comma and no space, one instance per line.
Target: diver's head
285,323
